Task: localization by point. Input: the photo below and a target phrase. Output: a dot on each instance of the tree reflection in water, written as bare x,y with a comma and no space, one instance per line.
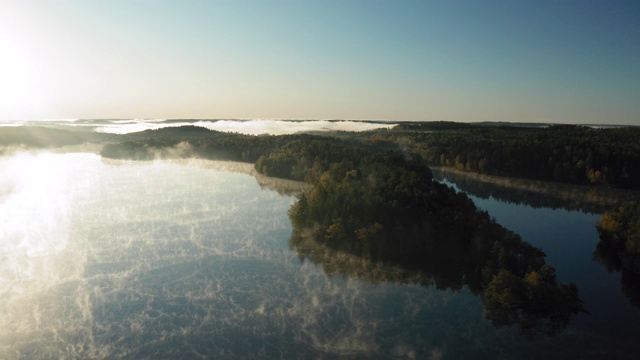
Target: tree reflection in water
619,246
434,237
537,194
511,276
536,304
630,280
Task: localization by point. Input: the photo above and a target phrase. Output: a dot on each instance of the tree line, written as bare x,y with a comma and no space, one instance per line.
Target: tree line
562,153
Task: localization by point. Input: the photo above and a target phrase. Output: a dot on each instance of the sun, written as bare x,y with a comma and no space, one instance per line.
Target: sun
21,65
17,78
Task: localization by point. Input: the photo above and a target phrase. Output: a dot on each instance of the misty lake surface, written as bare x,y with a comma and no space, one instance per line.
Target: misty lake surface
191,259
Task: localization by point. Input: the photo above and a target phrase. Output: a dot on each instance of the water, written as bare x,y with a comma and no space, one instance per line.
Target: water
116,259
569,239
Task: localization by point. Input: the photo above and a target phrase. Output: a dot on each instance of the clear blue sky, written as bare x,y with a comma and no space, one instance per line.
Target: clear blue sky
539,61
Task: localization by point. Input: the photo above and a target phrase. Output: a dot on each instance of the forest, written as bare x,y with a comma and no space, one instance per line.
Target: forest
561,153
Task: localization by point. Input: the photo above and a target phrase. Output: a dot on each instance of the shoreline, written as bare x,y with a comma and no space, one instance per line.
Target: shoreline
535,192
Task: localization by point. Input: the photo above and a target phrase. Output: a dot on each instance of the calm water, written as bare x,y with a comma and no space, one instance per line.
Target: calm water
191,260
569,239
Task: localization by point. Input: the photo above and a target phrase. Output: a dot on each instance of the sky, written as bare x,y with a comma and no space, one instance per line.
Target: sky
523,61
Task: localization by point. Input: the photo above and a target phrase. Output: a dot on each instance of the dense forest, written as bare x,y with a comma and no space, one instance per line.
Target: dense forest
619,246
562,153
383,206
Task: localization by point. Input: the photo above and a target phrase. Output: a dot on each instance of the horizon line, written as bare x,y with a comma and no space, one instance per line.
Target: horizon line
320,119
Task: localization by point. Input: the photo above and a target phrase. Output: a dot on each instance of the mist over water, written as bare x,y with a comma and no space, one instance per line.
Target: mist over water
159,259
248,127
191,258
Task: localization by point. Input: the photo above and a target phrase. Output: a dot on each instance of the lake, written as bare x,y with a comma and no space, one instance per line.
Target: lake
191,259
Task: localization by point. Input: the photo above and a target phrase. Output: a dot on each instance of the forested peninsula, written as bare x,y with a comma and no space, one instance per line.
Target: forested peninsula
381,205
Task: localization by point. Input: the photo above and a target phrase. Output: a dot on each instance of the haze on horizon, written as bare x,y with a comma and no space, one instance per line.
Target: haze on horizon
522,61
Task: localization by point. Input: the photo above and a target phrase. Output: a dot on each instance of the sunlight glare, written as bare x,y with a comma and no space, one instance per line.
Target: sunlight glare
37,193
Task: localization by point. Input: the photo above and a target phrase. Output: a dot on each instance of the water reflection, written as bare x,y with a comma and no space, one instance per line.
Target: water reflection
283,187
136,260
537,194
569,239
166,259
619,259
629,280
538,304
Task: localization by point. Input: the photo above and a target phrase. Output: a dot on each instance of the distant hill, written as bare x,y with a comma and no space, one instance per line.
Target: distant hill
181,132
